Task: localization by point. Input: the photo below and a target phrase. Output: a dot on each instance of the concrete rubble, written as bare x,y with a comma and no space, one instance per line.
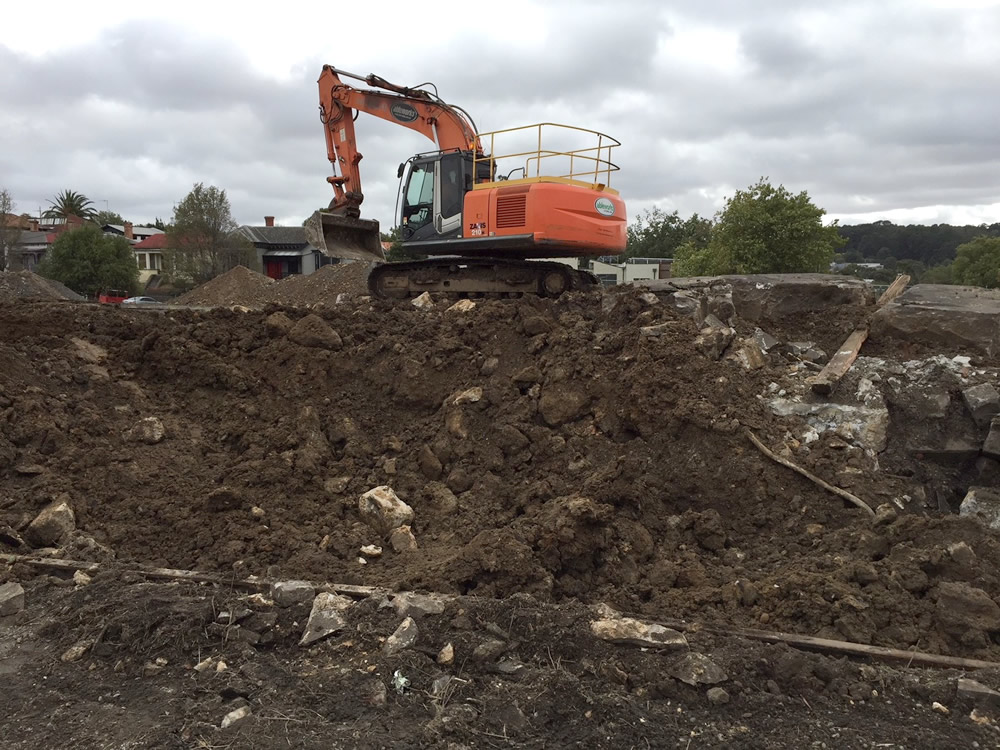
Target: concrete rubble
326,617
383,511
11,599
52,525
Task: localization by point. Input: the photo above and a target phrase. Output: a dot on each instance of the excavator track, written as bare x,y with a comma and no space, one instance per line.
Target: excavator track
478,277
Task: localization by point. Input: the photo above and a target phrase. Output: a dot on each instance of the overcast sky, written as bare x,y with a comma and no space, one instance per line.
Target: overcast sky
878,108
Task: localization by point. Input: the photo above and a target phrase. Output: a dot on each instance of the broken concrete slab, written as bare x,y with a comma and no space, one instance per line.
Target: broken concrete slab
978,693
983,402
11,599
761,296
956,317
629,632
402,638
288,593
713,341
982,503
409,604
326,617
865,426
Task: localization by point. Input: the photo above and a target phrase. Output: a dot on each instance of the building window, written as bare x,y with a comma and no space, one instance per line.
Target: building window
140,260
155,261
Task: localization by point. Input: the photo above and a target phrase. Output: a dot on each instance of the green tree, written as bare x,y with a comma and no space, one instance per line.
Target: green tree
108,217
657,234
89,261
397,251
204,240
70,203
977,263
10,230
765,229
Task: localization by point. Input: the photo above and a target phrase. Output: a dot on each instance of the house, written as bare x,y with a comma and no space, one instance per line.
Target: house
130,232
149,256
33,244
611,272
284,251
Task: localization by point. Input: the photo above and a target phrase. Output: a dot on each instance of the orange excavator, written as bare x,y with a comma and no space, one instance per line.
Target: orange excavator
483,230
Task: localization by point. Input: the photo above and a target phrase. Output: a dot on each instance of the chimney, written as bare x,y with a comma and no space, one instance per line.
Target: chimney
128,230
268,221
33,225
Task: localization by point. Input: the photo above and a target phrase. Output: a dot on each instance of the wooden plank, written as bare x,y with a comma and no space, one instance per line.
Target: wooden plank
895,289
193,576
826,381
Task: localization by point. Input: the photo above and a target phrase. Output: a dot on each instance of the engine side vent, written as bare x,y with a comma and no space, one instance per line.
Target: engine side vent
511,211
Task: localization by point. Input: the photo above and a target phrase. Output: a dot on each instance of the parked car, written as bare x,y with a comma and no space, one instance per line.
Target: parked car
112,297
141,301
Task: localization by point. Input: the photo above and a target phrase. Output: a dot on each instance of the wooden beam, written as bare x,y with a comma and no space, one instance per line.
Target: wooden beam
829,377
192,576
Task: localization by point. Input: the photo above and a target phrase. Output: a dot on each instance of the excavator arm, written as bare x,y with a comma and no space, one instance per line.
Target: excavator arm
415,108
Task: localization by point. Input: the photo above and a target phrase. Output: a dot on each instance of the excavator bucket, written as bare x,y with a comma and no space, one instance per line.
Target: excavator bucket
345,237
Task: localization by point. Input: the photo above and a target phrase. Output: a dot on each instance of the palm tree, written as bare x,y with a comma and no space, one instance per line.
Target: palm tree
69,203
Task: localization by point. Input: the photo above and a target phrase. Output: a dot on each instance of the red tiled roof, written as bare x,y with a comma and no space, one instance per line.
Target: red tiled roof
153,242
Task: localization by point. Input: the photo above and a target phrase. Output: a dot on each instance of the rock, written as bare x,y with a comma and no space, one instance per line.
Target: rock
336,485
204,665
403,637
991,448
884,515
765,341
312,331
52,525
222,499
326,617
983,403
288,593
463,305
983,504
423,302
962,554
371,550
29,470
562,402
629,632
278,323
649,298
446,655
152,668
962,318
717,696
76,651
748,354
536,324
806,351
148,430
80,578
977,693
11,599
410,604
661,329
382,509
430,465
962,608
940,708
489,649
528,375
489,366
257,512
454,422
234,717
697,669
401,539
470,396
376,694
866,426
713,342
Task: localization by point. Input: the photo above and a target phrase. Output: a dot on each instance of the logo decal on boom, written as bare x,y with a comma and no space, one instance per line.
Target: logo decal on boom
403,112
605,207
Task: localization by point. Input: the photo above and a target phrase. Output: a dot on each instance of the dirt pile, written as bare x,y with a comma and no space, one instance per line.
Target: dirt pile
321,287
240,286
585,448
24,285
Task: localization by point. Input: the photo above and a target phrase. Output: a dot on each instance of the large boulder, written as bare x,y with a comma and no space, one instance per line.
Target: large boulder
383,511
313,331
52,525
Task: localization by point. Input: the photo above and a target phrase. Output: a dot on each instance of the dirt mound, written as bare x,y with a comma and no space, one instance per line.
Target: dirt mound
321,287
584,448
19,285
240,286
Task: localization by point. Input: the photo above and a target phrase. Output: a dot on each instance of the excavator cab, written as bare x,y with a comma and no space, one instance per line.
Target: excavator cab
433,194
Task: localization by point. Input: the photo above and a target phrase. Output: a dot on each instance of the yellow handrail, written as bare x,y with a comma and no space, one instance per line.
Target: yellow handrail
596,160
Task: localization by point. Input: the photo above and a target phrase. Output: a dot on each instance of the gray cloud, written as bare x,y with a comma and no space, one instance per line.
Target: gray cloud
868,108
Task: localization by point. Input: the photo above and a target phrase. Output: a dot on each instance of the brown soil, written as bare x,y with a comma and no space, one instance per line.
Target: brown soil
321,287
240,286
24,285
597,466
